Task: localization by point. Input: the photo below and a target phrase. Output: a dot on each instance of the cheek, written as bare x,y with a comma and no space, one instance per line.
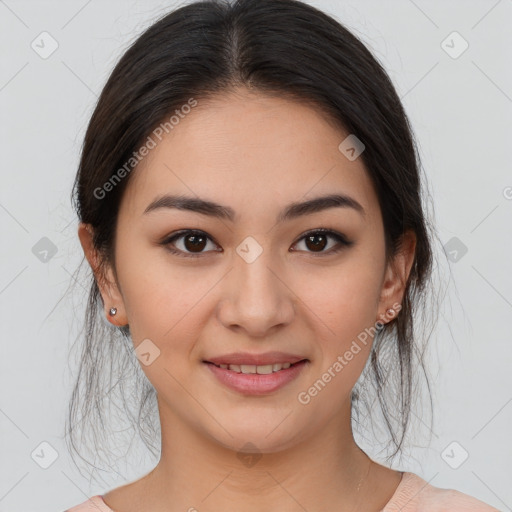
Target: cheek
342,300
165,302
341,307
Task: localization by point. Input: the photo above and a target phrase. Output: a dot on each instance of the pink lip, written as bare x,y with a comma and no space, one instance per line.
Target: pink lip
256,384
257,359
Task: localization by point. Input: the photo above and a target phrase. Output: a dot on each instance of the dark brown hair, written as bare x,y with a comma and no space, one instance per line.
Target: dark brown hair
278,47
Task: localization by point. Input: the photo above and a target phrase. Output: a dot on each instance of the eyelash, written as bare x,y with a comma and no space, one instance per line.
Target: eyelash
341,239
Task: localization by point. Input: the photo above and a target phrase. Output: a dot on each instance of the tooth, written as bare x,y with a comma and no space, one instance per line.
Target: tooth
265,369
251,368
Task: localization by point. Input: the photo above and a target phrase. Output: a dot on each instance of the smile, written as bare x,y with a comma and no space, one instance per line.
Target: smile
256,379
251,368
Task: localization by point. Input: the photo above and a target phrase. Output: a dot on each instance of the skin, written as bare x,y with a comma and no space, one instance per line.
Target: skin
255,154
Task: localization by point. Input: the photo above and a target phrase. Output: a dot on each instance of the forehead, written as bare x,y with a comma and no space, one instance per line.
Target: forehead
252,152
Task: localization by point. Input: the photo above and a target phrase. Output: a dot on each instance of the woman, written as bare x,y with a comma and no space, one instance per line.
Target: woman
250,204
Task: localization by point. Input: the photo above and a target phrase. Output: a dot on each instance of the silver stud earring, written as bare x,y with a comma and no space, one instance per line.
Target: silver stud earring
113,311
389,312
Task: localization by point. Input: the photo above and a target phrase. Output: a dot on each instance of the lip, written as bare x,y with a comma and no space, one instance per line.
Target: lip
256,359
254,383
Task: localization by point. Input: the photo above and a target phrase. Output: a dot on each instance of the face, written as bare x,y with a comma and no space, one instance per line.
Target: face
252,282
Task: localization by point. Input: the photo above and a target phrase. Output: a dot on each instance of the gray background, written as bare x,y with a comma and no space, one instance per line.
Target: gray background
460,110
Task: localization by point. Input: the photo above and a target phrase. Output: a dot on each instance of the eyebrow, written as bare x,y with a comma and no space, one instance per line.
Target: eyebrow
292,211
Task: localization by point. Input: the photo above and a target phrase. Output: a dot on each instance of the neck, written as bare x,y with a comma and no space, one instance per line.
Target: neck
326,470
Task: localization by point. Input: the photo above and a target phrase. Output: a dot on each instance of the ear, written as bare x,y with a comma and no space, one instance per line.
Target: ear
395,278
104,275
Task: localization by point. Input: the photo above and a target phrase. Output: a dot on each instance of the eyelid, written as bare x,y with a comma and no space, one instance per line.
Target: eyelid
342,240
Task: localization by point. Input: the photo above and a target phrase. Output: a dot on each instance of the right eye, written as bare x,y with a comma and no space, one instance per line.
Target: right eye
193,240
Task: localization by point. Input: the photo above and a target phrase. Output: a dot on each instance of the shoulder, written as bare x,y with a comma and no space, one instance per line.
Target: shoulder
414,494
94,504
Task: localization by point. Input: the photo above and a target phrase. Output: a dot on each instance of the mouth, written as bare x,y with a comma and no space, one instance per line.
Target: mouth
265,369
257,379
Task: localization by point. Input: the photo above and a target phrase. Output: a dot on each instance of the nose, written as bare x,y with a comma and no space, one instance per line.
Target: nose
256,297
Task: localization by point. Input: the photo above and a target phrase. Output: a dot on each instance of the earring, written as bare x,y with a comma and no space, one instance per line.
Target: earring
389,312
113,311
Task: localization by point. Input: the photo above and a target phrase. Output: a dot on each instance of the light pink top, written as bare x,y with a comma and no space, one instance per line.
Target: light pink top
413,494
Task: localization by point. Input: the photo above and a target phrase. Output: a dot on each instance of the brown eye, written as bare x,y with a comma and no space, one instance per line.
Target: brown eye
316,241
192,243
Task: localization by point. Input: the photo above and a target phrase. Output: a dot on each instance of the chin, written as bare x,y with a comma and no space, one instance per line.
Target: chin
258,437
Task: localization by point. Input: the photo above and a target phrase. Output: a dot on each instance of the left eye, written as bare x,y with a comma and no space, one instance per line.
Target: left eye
195,242
317,240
